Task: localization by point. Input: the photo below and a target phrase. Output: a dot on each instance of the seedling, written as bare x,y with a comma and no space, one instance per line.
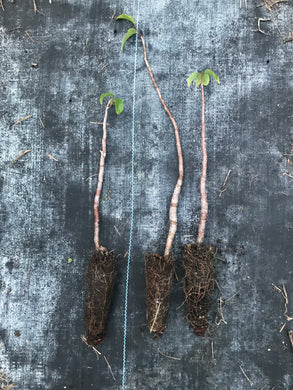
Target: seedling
198,258
101,272
159,270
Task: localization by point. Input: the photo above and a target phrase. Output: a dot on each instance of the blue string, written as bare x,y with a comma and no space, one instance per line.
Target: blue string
132,212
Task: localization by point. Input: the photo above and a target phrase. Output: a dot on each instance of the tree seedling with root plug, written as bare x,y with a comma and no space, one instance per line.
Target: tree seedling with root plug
198,258
101,270
159,270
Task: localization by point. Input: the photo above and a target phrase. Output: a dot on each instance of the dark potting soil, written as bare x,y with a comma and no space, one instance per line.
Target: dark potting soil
198,283
100,277
159,276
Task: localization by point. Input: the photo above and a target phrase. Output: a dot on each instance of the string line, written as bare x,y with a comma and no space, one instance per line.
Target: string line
132,210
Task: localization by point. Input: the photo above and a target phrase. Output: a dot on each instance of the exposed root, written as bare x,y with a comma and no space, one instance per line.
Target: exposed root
110,368
100,277
283,291
159,275
198,283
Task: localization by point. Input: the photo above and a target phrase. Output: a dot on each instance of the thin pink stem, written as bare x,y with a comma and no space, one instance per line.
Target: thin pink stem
176,193
100,182
203,194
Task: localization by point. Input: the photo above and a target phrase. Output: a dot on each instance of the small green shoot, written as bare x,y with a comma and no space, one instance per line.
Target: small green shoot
118,103
202,78
69,260
126,17
132,31
129,34
111,94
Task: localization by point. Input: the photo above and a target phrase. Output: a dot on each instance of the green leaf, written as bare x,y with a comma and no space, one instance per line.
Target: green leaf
69,260
119,106
198,80
205,78
126,17
104,95
212,74
129,34
190,79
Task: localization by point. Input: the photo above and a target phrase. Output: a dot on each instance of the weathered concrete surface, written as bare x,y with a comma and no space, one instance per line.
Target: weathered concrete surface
46,205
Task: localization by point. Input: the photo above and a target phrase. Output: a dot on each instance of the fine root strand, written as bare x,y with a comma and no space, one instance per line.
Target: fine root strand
168,356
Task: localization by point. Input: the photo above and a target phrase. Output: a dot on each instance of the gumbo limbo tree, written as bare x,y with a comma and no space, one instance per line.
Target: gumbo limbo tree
101,269
159,270
198,258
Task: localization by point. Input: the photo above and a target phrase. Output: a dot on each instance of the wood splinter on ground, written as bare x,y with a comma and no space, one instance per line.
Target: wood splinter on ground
51,157
18,157
290,334
9,386
42,123
246,376
36,10
168,356
258,25
269,4
29,36
22,119
224,188
245,3
4,380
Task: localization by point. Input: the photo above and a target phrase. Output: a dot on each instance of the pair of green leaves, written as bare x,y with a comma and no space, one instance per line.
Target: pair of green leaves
118,103
198,78
202,78
132,31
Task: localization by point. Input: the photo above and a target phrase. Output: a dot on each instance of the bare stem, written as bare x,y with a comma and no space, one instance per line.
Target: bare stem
100,181
176,193
203,194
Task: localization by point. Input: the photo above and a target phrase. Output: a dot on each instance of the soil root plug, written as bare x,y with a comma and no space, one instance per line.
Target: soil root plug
100,277
198,283
159,275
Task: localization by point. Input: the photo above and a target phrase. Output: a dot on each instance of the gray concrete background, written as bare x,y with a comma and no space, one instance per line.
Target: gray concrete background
46,205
